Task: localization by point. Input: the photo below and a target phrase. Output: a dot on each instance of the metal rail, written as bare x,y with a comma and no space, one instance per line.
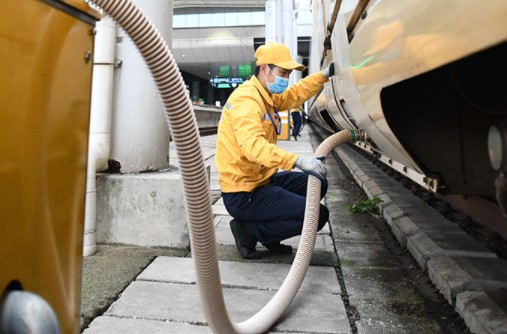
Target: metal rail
334,15
358,11
329,29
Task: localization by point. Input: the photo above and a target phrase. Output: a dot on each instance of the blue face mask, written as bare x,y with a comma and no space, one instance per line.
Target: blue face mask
279,85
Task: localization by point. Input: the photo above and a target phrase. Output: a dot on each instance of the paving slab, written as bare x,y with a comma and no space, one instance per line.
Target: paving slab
395,326
109,271
364,254
264,276
223,234
427,245
391,212
408,226
483,313
115,325
309,312
371,179
382,285
219,209
402,198
393,310
453,275
351,231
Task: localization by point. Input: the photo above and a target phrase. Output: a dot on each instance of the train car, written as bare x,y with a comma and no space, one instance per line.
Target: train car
427,82
46,67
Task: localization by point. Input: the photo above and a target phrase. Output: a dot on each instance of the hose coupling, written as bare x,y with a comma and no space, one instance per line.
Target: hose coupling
358,135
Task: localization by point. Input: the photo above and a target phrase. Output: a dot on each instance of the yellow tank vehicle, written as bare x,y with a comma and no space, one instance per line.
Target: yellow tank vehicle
46,68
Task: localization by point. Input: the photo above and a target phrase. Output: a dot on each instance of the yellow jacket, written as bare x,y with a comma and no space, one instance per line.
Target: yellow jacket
246,155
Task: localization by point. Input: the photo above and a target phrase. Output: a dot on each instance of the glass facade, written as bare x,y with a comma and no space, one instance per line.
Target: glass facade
229,19
233,19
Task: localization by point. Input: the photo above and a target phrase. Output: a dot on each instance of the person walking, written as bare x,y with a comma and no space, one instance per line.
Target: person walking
296,121
267,205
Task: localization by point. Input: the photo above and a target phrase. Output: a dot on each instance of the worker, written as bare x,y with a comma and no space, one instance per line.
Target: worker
267,205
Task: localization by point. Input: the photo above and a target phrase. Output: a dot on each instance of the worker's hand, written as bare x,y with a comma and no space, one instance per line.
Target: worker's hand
329,71
312,166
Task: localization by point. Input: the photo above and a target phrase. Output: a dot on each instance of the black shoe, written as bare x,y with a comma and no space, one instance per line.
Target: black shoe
296,137
279,248
245,240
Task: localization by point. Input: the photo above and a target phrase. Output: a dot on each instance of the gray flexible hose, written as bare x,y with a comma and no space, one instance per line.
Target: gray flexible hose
181,121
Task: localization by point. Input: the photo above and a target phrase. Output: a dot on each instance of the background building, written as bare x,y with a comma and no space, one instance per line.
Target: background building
214,41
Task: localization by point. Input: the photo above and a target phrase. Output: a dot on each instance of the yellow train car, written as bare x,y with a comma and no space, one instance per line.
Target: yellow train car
46,68
425,80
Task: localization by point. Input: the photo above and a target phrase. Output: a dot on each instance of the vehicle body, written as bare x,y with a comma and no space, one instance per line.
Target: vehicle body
426,80
45,55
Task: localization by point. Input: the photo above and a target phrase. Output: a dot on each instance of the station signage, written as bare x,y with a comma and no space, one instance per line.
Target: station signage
225,82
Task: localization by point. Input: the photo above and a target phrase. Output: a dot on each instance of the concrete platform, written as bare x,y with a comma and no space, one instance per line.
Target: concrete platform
164,299
161,292
360,288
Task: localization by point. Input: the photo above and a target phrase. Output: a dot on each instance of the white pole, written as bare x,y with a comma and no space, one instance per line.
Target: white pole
100,123
140,137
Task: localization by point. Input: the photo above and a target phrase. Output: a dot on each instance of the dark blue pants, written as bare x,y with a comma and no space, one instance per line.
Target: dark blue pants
296,121
276,211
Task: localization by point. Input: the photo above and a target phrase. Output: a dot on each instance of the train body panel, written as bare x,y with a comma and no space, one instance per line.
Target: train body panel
425,80
45,54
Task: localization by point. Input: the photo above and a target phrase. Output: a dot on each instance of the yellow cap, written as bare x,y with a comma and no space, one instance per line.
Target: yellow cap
277,54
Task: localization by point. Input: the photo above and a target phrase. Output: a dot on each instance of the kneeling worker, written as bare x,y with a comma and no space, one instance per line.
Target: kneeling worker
267,206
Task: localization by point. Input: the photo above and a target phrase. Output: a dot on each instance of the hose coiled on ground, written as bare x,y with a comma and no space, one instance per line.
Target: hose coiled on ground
181,121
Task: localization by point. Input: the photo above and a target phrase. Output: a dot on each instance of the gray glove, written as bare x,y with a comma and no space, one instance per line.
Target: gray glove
329,71
312,166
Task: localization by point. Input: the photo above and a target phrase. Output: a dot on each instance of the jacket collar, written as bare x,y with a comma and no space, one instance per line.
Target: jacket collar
264,94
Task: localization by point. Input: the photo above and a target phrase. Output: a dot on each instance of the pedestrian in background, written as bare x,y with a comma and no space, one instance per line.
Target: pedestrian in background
296,121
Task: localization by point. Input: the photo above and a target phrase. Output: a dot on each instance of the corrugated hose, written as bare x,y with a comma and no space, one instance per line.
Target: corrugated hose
181,120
